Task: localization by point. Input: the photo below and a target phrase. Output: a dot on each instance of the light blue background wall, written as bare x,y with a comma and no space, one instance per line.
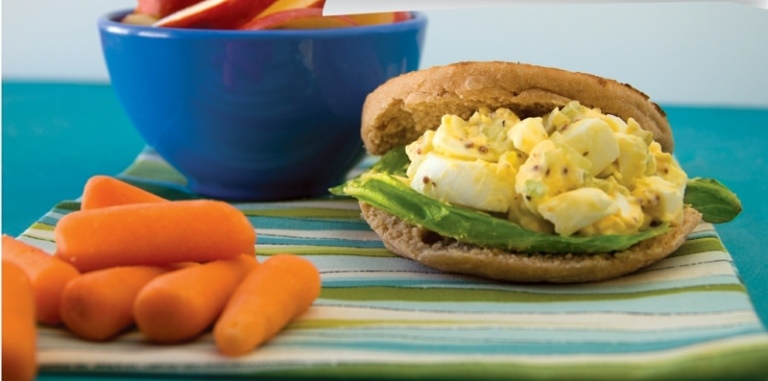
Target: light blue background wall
677,52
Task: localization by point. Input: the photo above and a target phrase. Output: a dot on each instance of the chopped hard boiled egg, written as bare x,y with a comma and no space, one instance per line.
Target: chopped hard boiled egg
660,199
473,183
483,136
527,133
594,139
574,171
550,170
666,167
634,157
577,209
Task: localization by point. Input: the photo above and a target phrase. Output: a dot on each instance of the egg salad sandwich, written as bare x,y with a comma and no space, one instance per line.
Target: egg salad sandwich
525,173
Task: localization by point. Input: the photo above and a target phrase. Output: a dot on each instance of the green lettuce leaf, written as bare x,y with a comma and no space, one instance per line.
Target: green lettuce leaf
383,186
714,200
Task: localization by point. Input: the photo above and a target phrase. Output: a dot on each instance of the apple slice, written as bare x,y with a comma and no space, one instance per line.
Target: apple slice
284,5
319,22
162,8
215,14
402,16
301,18
373,18
139,19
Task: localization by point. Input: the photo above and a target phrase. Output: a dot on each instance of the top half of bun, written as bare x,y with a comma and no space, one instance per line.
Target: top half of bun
401,109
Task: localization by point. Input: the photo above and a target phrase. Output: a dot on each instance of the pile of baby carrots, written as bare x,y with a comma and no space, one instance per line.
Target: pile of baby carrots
171,269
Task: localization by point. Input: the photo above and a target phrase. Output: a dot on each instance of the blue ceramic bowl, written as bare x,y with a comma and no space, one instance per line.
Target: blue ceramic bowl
255,115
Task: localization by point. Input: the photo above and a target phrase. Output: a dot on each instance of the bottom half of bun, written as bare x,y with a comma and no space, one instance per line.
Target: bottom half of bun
428,248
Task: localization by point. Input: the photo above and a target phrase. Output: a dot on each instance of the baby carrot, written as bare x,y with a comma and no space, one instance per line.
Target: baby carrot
180,305
99,305
153,234
47,274
271,296
102,191
19,329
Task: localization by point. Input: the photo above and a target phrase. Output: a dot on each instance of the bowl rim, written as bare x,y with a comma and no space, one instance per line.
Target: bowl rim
108,23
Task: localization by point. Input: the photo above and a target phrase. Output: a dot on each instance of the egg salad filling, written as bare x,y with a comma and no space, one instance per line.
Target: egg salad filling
573,172
572,181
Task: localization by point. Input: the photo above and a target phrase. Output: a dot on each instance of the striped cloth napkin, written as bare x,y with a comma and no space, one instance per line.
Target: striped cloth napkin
380,316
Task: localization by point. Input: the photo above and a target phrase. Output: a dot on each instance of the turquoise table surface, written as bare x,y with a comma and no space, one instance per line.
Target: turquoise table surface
57,135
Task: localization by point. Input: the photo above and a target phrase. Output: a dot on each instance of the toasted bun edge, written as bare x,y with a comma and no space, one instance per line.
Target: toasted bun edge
402,108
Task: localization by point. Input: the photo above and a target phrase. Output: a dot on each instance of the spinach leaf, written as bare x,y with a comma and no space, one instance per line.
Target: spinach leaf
714,200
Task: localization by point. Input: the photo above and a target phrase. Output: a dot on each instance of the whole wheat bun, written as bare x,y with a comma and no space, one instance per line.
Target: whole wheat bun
400,110
421,245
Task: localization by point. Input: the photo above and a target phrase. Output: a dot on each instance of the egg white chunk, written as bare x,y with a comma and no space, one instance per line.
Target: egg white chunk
576,209
660,199
527,133
471,183
594,139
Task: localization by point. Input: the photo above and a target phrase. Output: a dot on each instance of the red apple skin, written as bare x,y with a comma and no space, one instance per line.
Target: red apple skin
215,14
402,16
162,8
300,18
